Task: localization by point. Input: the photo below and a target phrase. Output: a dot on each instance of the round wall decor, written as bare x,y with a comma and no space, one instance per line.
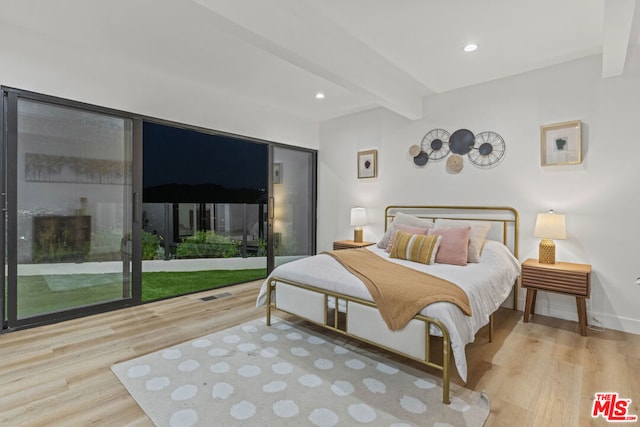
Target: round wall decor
461,141
455,163
421,159
488,150
436,144
485,150
414,150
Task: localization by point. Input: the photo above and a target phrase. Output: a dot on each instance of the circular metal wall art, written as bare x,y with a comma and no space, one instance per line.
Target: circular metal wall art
436,144
485,150
461,141
488,150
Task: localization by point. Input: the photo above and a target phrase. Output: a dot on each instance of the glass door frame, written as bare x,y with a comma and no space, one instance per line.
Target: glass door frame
9,228
3,207
271,258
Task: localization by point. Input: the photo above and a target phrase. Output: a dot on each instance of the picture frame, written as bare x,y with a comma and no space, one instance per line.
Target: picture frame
561,143
277,173
367,164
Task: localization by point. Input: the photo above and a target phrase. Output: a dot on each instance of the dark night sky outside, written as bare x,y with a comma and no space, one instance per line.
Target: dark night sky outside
191,164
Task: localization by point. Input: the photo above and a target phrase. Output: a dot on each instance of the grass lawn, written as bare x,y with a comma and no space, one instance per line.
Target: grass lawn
162,284
44,294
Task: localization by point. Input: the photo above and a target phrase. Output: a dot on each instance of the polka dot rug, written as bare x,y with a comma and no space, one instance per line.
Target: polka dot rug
287,375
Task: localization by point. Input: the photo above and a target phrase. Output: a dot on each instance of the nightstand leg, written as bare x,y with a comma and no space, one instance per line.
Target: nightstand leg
530,305
582,314
533,304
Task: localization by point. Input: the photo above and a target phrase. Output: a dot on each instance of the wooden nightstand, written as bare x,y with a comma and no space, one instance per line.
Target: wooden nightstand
563,278
349,244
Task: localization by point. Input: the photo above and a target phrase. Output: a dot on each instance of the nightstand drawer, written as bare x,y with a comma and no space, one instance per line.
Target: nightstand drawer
570,283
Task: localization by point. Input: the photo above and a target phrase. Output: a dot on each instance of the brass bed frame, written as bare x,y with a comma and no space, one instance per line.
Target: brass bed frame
507,221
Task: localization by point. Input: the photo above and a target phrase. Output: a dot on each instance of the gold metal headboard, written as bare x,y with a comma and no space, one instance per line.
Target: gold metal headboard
506,218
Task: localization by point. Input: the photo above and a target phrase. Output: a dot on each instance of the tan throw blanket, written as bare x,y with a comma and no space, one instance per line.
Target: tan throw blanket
399,292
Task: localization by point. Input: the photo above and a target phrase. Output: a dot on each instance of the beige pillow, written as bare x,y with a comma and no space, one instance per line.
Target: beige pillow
404,219
478,233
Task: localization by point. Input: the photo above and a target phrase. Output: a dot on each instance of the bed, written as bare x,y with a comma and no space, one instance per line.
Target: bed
321,290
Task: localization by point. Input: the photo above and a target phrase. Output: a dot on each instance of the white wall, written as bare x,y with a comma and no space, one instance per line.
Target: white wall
31,62
599,196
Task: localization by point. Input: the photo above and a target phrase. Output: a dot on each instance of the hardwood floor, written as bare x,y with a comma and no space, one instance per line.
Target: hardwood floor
541,373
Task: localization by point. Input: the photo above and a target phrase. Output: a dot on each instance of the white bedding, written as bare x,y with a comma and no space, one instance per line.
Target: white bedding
487,284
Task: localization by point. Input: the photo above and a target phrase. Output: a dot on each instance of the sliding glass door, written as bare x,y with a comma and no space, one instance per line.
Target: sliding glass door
69,174
204,210
293,205
102,209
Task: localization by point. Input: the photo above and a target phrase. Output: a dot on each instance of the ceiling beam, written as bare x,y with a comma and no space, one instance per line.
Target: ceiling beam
616,31
296,32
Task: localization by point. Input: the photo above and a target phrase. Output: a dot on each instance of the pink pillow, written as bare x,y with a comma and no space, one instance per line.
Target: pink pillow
407,229
454,245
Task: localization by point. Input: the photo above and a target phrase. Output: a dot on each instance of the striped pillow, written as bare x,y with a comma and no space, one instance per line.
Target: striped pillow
415,247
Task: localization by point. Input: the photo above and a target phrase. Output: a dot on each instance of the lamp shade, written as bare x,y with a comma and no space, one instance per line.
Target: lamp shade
358,216
550,226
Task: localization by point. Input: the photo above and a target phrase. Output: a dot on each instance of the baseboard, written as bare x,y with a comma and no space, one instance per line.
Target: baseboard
617,323
607,321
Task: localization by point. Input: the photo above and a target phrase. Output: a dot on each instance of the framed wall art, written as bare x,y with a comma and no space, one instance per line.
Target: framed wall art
277,173
368,164
561,144
53,168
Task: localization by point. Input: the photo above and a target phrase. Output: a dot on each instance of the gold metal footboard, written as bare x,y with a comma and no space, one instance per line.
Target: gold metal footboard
333,323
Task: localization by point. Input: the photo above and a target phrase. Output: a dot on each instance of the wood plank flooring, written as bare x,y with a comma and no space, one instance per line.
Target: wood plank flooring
541,373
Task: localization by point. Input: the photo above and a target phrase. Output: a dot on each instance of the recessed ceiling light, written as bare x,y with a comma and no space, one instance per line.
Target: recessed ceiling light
319,95
470,47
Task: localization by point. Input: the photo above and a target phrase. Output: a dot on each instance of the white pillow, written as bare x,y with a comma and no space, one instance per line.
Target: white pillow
479,230
403,219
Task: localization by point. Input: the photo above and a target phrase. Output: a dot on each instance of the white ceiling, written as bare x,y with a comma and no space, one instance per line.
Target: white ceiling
360,53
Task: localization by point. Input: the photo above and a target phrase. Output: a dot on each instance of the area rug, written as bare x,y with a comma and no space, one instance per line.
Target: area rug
287,375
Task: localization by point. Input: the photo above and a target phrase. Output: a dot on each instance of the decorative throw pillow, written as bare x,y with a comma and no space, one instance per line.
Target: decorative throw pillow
479,230
454,246
404,219
406,229
415,247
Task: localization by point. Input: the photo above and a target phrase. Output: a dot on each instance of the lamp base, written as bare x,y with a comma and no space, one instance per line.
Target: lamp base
357,235
547,252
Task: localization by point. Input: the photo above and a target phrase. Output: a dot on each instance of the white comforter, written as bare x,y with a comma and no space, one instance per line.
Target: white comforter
487,284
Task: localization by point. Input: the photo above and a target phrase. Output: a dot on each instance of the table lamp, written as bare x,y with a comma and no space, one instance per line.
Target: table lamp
358,219
549,226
